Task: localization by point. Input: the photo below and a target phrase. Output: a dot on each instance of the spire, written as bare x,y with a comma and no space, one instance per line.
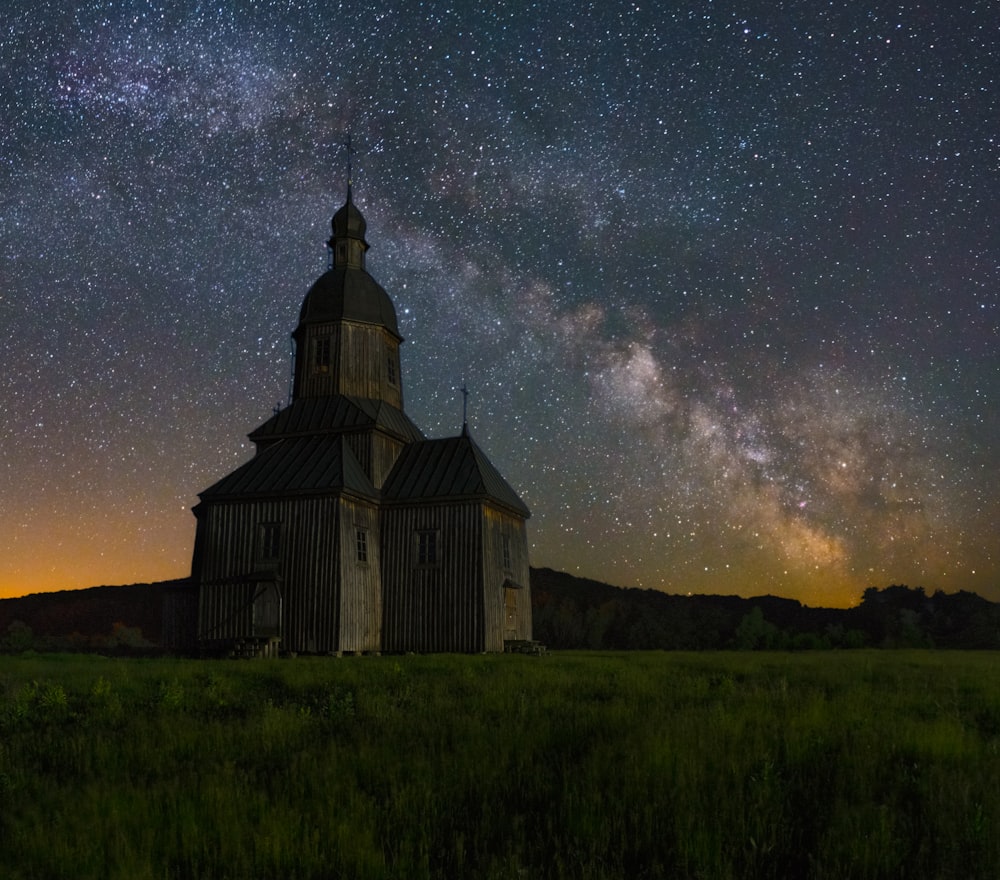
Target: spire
350,153
347,244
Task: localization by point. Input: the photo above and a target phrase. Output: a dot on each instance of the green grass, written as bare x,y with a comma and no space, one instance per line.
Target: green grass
832,765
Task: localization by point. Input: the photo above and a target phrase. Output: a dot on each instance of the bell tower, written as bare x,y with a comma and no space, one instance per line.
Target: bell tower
347,341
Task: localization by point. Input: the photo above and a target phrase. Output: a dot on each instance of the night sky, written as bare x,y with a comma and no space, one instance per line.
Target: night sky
722,278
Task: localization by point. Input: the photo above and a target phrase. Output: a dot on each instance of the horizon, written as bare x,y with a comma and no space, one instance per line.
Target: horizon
930,592
722,284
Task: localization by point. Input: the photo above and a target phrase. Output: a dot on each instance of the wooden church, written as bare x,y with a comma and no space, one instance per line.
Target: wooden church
349,531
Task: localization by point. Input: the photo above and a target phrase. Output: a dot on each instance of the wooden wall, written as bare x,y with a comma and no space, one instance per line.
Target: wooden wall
334,602
437,607
376,453
360,582
307,571
359,362
500,525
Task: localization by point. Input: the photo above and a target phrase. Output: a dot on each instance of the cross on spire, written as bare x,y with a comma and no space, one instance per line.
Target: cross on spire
350,154
465,409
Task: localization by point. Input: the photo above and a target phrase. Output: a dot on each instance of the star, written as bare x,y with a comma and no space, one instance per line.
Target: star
722,285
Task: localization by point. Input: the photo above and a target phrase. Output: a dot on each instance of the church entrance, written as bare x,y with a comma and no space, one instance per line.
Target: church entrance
510,612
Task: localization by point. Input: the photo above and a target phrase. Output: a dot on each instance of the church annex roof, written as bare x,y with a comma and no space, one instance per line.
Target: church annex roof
336,413
449,468
296,465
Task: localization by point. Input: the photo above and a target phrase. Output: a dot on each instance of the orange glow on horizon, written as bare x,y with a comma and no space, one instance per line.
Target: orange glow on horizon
73,552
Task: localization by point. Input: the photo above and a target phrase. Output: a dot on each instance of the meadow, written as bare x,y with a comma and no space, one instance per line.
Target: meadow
852,764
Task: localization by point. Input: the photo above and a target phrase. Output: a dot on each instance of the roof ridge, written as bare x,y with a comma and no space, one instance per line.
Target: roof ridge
448,467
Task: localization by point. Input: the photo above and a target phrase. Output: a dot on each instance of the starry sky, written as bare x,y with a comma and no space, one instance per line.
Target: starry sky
723,279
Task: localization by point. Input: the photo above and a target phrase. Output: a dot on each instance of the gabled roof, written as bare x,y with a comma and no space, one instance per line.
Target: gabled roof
334,414
296,466
452,467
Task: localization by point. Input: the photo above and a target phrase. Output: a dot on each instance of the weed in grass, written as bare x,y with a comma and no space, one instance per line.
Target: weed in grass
170,695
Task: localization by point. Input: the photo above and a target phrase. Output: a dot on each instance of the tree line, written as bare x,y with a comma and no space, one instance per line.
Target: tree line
578,613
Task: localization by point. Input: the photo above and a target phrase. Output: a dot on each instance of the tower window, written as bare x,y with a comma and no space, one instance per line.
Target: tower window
505,550
390,368
361,543
427,547
269,542
321,355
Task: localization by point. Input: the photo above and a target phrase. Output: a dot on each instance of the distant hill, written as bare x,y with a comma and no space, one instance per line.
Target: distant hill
571,612
89,618
582,613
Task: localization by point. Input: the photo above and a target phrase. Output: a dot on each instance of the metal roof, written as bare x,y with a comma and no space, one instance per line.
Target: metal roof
297,465
337,413
347,293
349,222
452,467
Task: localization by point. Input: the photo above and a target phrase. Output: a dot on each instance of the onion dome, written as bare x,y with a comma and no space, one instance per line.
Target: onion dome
347,291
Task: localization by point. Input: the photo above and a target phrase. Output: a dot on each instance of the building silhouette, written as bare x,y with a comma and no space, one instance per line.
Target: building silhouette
349,531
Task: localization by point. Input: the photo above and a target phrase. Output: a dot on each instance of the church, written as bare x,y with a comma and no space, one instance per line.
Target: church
349,531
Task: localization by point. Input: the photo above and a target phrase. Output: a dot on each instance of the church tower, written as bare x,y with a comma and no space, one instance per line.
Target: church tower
347,377
347,341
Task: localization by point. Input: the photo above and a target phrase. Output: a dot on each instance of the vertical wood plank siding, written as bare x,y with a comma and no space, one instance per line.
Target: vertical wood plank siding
361,445
499,525
360,582
306,571
433,607
385,451
376,453
359,363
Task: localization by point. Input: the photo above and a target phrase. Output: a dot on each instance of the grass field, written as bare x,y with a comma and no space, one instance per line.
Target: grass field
579,765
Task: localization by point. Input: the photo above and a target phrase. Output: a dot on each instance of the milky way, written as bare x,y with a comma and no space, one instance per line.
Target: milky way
722,280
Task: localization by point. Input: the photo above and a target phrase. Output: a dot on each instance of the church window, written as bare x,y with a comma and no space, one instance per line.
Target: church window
427,547
269,542
361,543
505,550
390,365
321,355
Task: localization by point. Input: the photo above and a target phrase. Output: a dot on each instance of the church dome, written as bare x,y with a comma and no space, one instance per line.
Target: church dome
351,295
347,292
